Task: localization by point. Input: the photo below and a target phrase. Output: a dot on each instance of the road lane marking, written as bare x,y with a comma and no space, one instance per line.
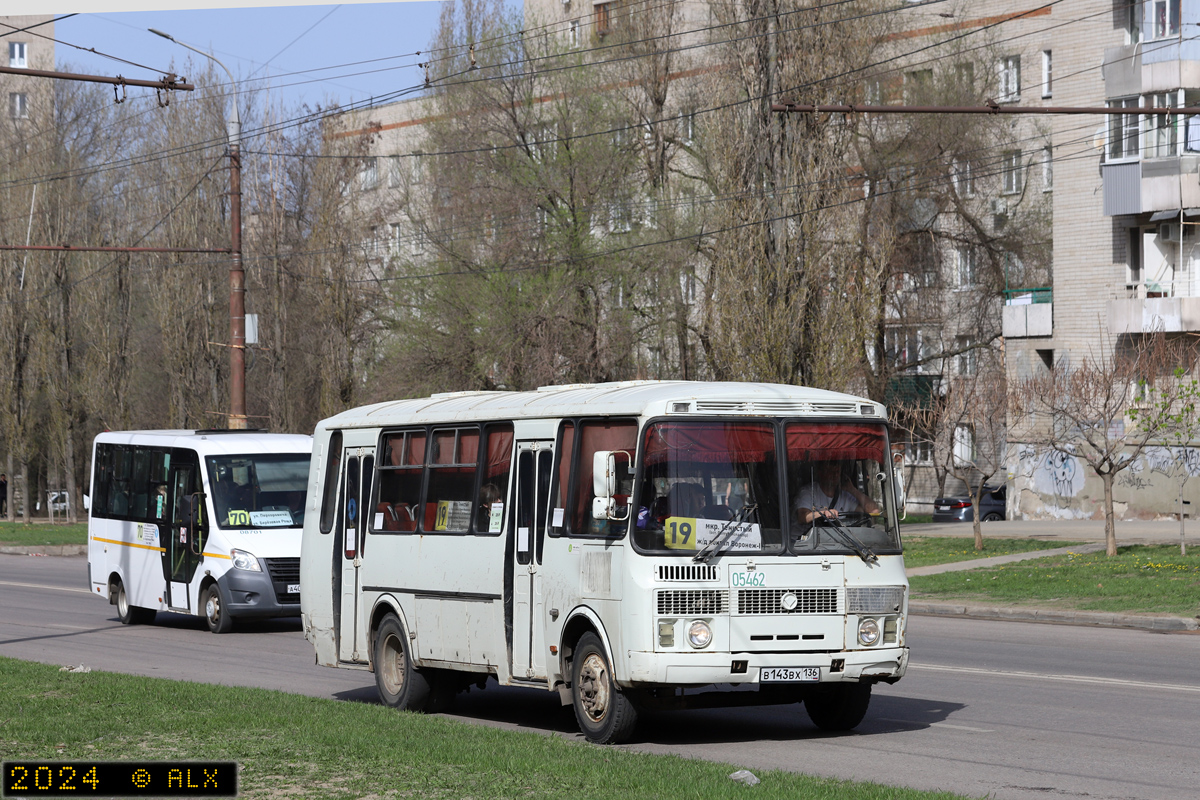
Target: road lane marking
919,724
42,586
1042,676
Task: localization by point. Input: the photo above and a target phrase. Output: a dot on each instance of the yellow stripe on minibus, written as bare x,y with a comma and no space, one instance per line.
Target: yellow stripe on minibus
130,544
216,555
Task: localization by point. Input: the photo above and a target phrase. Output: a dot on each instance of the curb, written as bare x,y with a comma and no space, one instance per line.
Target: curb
1098,619
44,550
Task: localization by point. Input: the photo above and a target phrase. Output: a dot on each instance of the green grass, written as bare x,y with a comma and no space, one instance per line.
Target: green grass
42,533
294,746
923,551
914,519
1139,580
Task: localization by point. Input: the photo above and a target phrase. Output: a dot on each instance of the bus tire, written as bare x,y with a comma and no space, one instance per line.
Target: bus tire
605,715
130,614
838,706
215,615
400,684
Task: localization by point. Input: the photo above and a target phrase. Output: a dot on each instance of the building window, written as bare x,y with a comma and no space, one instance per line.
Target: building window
18,54
1123,130
1133,22
1161,129
964,445
1164,18
918,86
395,176
919,452
573,34
18,105
967,361
1013,172
688,123
1047,168
964,178
965,75
967,270
369,176
603,12
1047,73
907,350
395,236
1010,79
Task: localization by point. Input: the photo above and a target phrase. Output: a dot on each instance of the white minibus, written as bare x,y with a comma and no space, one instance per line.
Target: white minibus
197,522
628,546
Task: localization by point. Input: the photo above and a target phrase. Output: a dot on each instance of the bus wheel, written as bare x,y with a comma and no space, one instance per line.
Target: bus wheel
400,684
128,614
214,614
838,706
605,715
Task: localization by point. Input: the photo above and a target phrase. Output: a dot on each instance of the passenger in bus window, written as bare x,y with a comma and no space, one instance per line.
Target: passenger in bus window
489,493
830,495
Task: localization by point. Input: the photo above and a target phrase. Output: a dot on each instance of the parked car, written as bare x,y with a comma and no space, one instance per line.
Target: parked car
958,509
59,501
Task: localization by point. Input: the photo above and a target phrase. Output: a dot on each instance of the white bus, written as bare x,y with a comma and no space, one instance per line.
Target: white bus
197,522
629,546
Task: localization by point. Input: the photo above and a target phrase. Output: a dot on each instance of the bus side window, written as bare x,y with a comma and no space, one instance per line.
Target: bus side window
397,502
333,471
597,435
494,481
562,476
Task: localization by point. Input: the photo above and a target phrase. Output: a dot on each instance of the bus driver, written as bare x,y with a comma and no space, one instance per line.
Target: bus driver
830,494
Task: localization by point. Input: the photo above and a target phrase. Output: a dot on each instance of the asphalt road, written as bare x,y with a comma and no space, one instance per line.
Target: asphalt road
1005,709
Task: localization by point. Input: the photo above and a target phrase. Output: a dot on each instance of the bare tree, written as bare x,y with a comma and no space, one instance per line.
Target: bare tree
1103,409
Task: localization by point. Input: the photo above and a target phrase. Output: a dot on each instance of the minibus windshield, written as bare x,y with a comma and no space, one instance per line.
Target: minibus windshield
712,487
259,491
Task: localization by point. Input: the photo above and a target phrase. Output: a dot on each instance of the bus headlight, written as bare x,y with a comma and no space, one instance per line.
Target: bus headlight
699,634
868,631
243,560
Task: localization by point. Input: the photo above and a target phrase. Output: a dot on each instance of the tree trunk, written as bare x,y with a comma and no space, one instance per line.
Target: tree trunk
975,498
1110,527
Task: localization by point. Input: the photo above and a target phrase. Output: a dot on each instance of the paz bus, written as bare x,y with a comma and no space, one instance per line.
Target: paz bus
628,546
202,522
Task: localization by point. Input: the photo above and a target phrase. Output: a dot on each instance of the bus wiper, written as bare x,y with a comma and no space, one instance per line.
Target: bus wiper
712,548
847,538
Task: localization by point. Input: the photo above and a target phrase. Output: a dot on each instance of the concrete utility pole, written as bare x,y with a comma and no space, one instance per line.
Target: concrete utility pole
237,276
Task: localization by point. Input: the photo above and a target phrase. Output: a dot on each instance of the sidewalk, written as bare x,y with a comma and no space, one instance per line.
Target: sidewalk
1088,531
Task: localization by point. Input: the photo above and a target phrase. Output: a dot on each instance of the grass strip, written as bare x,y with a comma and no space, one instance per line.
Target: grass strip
924,551
302,747
43,533
1140,579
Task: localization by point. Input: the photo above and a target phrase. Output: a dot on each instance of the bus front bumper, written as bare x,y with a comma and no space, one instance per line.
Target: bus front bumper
699,669
246,593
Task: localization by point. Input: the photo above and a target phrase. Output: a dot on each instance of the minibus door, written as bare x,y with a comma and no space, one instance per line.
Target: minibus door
183,548
360,466
532,497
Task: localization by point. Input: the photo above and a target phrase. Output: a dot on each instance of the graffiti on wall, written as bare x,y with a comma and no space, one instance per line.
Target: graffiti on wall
1052,472
1174,462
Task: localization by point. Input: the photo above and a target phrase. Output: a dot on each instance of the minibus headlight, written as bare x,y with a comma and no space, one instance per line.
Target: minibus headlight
868,631
699,634
243,560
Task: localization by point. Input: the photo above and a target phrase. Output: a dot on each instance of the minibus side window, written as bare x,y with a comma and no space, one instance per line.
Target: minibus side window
333,470
452,459
562,475
596,435
103,472
400,467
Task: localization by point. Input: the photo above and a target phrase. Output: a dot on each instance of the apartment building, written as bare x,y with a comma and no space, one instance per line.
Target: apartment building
27,44
1053,236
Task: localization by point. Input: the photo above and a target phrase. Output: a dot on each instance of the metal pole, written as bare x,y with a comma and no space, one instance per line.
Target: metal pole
237,276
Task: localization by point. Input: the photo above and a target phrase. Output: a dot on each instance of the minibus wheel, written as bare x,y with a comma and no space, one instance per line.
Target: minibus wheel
215,615
838,706
129,614
604,713
400,684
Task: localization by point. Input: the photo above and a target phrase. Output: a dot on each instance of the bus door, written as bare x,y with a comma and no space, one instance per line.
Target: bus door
531,497
183,548
356,489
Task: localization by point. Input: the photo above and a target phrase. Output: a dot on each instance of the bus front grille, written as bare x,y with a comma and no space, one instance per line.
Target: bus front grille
770,601
284,572
686,572
674,602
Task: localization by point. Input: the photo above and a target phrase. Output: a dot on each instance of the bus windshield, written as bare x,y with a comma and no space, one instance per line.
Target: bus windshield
765,487
259,491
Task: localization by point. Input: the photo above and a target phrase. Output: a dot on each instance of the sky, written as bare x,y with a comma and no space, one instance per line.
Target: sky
265,46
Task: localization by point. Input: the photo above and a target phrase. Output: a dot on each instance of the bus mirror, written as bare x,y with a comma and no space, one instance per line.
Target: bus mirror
604,508
604,475
87,503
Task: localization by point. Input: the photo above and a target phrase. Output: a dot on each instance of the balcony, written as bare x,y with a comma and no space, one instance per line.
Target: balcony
1028,312
1156,306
